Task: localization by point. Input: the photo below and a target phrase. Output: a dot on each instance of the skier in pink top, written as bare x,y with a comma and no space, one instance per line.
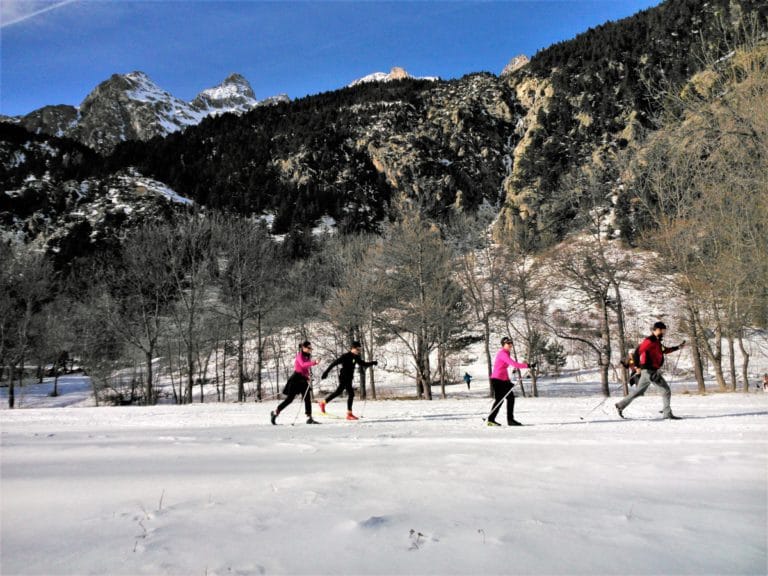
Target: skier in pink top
298,383
501,384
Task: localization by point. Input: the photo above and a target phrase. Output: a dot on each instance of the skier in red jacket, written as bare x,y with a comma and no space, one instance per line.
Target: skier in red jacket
651,352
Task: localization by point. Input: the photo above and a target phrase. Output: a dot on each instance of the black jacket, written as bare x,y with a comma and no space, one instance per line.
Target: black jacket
348,363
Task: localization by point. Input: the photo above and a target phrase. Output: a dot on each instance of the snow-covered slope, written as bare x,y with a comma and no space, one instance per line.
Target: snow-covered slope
413,488
68,216
396,73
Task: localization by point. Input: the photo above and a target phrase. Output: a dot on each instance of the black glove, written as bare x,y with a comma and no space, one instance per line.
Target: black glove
324,376
375,362
532,365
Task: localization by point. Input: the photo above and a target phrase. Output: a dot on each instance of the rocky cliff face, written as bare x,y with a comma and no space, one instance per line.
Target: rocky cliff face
515,64
348,154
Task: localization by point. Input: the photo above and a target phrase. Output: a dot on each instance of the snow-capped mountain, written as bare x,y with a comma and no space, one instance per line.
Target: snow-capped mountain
233,95
396,73
133,107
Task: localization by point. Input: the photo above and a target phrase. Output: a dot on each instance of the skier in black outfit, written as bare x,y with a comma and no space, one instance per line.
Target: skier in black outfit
349,361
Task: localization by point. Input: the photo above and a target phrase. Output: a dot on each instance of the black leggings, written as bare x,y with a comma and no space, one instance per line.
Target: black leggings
293,390
344,385
500,388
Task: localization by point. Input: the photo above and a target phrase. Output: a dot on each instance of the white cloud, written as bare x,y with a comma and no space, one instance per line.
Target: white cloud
16,11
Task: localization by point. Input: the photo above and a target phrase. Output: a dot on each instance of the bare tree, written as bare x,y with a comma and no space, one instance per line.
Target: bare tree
251,289
353,307
703,185
29,280
480,271
139,292
418,290
521,302
189,248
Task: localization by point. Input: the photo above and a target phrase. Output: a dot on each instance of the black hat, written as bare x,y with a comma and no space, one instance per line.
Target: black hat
306,344
660,325
355,344
506,340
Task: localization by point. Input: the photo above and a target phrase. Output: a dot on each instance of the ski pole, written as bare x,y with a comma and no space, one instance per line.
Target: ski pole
303,397
593,409
498,404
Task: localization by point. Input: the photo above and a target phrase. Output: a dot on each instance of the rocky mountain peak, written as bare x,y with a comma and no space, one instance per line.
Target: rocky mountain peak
395,73
234,94
515,64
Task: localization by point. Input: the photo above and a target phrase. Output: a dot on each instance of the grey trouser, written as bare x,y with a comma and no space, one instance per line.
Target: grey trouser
648,377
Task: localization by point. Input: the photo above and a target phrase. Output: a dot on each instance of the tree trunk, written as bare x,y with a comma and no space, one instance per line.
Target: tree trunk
693,333
487,344
371,355
190,372
202,374
224,373
149,392
170,374
259,359
182,393
716,355
745,361
605,357
604,384
216,368
441,367
55,392
423,378
621,326
240,359
11,389
732,360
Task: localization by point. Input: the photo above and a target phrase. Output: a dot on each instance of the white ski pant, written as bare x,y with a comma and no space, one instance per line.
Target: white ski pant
648,377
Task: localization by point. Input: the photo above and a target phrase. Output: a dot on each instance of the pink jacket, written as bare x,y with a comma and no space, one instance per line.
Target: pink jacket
503,362
302,366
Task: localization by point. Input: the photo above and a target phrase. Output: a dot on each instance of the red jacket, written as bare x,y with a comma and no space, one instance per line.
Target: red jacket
652,353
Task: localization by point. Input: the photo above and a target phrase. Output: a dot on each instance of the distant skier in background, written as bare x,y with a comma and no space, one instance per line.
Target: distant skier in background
467,379
501,384
348,361
651,358
298,383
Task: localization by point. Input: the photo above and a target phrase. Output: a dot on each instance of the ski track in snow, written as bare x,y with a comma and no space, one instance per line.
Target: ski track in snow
415,487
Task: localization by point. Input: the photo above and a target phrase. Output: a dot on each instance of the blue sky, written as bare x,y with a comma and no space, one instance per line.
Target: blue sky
56,52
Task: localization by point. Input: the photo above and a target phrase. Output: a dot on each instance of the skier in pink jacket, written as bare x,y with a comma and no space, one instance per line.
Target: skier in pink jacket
298,383
501,384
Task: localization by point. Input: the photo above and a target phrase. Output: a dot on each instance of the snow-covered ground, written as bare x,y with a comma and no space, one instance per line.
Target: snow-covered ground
414,487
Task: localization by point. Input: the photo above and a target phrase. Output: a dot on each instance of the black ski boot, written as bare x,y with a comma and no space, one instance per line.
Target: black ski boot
672,417
273,418
620,410
514,422
311,420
